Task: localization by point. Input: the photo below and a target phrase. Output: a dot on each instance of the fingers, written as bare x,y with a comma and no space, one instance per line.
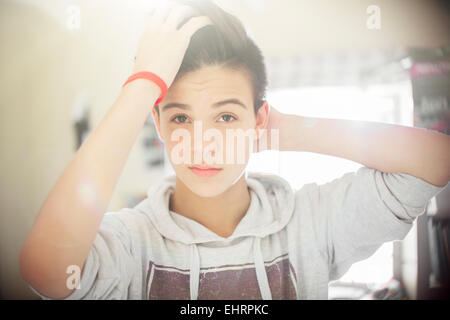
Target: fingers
179,14
173,15
162,10
194,24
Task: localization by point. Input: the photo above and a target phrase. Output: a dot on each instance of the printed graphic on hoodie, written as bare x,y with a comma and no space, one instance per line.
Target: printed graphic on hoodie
222,282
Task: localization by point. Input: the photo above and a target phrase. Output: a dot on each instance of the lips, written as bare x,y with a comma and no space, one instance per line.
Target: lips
203,171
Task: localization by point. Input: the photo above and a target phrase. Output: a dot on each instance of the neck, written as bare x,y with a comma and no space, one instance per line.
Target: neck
220,214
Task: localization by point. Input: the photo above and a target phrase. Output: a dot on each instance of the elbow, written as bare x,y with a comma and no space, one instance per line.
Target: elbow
29,268
40,278
25,264
42,273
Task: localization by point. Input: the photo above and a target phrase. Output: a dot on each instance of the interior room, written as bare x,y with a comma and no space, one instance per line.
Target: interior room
388,61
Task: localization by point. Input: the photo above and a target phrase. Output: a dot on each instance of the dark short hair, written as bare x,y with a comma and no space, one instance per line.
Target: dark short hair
227,44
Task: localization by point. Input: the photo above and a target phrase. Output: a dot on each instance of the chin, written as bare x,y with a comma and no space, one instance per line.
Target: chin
211,186
207,191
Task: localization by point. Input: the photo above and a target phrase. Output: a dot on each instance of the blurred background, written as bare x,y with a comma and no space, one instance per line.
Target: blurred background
63,63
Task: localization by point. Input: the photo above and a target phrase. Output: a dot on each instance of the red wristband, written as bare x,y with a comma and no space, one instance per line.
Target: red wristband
152,77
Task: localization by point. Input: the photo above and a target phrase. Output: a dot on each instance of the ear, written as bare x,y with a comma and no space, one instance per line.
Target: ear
262,118
157,123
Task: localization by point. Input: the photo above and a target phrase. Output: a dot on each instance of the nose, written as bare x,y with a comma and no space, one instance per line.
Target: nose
204,140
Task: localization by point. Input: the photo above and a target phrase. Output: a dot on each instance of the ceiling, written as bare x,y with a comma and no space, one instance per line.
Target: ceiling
285,28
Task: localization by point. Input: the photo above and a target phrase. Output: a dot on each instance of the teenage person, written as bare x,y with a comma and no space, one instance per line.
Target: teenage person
214,230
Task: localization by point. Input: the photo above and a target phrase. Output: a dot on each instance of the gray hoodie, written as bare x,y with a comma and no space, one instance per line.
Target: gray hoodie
289,244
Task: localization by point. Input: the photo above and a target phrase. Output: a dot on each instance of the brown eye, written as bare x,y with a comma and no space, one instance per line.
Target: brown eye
227,117
179,119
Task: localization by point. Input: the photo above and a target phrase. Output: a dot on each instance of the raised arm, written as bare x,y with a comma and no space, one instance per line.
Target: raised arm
422,153
68,221
355,214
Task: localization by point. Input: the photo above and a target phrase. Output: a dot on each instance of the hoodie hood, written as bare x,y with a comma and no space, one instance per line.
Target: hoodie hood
271,207
148,252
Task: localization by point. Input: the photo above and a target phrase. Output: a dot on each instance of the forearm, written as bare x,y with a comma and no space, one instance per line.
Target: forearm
69,218
390,148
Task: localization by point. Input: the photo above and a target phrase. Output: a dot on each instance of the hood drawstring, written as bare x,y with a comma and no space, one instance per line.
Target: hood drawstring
194,276
271,208
261,274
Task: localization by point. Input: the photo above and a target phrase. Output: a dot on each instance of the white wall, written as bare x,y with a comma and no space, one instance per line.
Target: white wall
45,66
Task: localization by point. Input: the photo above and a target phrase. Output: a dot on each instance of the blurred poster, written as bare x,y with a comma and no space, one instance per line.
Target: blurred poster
153,147
80,118
430,76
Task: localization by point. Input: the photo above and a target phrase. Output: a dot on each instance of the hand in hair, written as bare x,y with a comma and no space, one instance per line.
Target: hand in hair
163,45
269,136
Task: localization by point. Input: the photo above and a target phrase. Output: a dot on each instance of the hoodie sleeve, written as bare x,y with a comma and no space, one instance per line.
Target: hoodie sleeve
108,269
364,209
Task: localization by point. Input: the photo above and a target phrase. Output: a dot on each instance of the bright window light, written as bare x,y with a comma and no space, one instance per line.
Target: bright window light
385,103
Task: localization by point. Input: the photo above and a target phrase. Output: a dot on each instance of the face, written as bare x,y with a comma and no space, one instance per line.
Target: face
207,120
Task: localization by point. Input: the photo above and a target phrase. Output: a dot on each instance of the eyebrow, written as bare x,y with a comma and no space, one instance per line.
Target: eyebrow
215,105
